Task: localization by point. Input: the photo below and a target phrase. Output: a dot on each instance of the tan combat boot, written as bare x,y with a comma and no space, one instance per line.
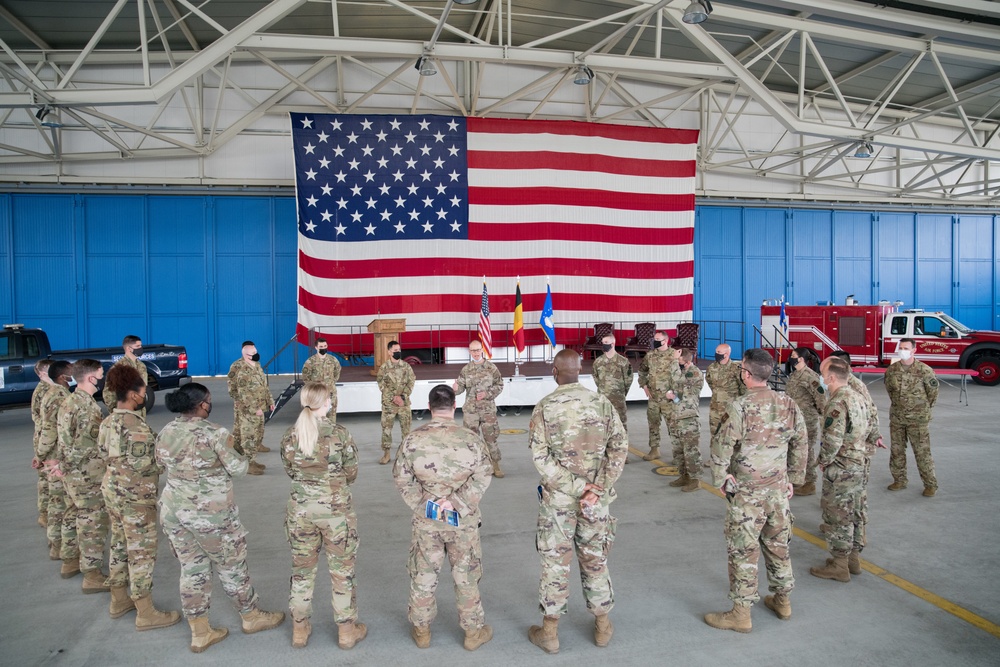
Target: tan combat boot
654,453
692,485
854,562
807,489
259,620
929,491
349,634
497,472
603,630
54,551
476,638
121,603
898,485
385,457
148,617
737,618
681,481
93,582
780,605
70,568
835,568
255,469
546,637
263,449
421,635
204,635
301,629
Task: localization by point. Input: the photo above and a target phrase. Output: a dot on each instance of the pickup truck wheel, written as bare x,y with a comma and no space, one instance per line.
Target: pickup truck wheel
989,371
150,400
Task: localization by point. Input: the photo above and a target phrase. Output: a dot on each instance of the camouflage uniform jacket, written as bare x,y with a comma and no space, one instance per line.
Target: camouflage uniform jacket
724,381
689,392
322,368
48,436
913,390
41,389
327,473
577,438
480,377
660,373
248,387
200,464
127,442
873,432
845,427
612,375
78,425
108,395
442,460
762,442
395,378
807,391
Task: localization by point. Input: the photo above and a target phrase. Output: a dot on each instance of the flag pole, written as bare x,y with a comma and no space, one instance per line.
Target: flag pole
517,351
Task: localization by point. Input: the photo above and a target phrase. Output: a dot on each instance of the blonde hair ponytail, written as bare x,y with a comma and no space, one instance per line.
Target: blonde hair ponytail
313,397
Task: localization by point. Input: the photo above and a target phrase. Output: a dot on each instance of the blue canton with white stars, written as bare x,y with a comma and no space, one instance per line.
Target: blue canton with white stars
377,178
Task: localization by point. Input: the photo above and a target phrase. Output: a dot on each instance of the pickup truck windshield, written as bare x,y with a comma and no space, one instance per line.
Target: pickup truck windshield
954,324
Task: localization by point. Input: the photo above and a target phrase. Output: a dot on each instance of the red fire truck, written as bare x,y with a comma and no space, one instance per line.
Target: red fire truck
870,335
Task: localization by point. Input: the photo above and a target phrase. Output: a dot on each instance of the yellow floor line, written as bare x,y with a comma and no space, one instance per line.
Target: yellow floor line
908,586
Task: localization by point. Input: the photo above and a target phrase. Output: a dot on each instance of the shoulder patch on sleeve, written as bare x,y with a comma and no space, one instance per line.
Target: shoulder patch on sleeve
828,423
819,388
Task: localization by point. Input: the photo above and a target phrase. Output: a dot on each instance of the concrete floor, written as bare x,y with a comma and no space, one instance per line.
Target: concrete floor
668,566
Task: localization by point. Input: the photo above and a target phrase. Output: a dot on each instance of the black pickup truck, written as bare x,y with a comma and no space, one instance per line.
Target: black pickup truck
20,348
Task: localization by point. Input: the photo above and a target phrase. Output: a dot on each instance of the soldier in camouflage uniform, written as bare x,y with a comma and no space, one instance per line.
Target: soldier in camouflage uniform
760,450
723,378
395,379
913,390
687,423
842,458
659,374
479,413
325,369
132,346
83,470
448,464
251,397
322,460
613,376
578,445
130,489
805,387
44,385
201,519
47,456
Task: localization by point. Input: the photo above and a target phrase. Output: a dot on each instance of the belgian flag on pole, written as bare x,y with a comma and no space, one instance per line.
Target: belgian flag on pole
518,320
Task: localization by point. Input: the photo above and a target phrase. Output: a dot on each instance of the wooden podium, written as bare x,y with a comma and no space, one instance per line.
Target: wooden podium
385,331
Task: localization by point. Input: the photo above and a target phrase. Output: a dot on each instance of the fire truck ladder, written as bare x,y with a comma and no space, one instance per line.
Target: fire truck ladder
778,377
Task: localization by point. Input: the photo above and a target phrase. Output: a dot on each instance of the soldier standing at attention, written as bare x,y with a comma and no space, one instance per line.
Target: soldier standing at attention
658,374
132,346
687,423
200,517
130,489
913,390
481,378
395,379
578,445
843,460
251,397
83,469
46,455
613,376
761,445
448,464
806,388
723,378
325,369
44,385
322,460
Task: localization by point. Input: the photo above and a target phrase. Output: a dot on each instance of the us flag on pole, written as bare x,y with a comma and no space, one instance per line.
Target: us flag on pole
485,334
401,216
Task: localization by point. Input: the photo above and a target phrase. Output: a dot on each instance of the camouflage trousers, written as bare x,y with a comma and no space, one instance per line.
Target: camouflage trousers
560,532
658,410
43,494
61,527
621,407
843,508
199,551
919,438
687,438
758,520
390,413
248,433
812,429
716,411
91,522
485,424
429,546
310,526
133,544
332,414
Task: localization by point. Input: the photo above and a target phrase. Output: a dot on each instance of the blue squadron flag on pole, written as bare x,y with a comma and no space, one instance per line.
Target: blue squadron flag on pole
546,319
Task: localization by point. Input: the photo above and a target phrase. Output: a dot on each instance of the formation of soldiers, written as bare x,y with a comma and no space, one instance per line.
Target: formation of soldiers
98,478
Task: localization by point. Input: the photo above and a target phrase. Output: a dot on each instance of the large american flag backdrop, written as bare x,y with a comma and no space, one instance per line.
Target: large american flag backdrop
402,216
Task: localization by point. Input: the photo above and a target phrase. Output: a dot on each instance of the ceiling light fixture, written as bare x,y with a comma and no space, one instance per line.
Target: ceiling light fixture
466,2
584,75
864,150
697,11
425,66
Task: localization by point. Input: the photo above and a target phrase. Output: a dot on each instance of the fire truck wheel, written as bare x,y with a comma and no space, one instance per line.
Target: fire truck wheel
989,371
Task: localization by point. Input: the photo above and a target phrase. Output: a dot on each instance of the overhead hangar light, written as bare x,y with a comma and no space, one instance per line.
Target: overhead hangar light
584,75
425,66
864,150
697,11
466,2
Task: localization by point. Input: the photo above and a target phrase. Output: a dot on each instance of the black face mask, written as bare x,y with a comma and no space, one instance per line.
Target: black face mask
654,344
255,357
137,351
321,352
397,354
208,410
607,348
719,357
